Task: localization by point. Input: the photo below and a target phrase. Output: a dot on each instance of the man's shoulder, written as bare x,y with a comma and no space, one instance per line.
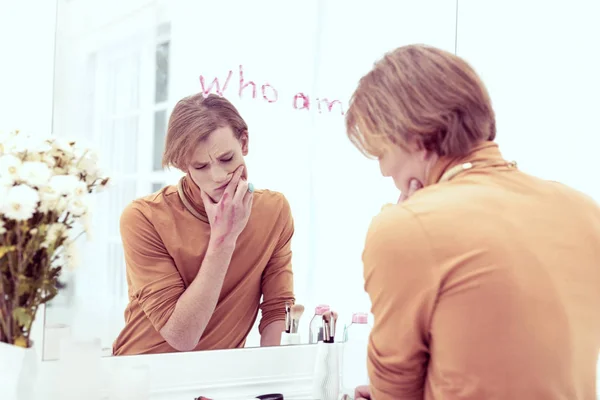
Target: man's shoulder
270,200
395,222
143,207
267,195
575,195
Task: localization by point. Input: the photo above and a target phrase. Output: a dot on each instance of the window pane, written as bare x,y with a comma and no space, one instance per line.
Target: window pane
160,129
162,72
118,144
156,186
112,203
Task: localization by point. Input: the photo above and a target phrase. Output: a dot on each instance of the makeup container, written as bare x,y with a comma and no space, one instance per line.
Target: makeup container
326,380
54,334
80,374
291,336
289,339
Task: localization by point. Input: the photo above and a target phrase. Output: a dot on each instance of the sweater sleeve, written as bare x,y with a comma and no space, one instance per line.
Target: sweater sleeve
153,277
277,279
399,278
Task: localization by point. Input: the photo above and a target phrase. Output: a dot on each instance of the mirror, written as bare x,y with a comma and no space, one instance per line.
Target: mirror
121,66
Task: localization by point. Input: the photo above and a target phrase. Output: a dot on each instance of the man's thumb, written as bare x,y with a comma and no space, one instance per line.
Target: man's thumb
414,185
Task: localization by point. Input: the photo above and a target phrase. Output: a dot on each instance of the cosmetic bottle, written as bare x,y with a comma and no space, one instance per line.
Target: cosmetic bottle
354,353
316,324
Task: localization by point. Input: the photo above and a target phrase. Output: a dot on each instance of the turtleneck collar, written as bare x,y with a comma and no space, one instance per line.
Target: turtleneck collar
486,151
192,194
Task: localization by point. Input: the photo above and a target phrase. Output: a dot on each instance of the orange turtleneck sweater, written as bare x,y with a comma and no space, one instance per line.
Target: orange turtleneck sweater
486,286
164,245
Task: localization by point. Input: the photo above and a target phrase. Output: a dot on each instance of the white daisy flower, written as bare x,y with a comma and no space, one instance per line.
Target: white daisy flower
10,166
21,202
64,184
35,173
77,206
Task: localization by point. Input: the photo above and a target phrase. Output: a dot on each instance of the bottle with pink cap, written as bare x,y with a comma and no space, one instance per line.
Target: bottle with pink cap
360,318
354,354
316,324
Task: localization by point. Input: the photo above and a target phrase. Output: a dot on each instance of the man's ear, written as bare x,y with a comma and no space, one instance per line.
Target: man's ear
244,142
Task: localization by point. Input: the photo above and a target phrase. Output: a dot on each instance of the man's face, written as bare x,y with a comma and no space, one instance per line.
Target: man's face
215,159
404,165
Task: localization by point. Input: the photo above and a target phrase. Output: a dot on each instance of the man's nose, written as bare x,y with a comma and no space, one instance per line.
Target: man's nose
218,174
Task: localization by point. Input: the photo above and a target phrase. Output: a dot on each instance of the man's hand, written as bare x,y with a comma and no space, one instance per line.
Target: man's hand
413,186
229,216
362,393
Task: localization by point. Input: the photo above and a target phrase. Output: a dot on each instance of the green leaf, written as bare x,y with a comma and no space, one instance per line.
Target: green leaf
49,296
21,341
22,316
6,249
25,285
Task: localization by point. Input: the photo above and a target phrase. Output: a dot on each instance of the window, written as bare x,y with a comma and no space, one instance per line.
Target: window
157,186
162,71
124,97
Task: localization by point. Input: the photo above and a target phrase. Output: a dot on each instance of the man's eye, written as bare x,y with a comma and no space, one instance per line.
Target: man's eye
227,159
199,167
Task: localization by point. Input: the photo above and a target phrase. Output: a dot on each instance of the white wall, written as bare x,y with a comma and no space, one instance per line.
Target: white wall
541,63
27,65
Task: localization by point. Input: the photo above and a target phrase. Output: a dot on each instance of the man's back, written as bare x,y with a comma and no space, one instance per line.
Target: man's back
515,276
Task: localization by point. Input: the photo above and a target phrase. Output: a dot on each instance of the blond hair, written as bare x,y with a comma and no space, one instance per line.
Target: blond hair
423,96
192,120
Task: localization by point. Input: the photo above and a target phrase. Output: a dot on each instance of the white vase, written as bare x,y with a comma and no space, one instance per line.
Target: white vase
18,372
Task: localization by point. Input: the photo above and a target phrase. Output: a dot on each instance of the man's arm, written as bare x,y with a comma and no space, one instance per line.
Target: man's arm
180,315
196,305
271,334
400,280
278,281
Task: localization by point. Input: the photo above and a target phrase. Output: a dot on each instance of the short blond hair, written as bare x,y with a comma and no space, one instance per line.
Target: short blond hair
420,95
192,120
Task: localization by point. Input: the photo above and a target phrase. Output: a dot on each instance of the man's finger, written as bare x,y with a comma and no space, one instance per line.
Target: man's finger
248,199
248,195
402,197
413,186
233,183
362,392
240,192
208,202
